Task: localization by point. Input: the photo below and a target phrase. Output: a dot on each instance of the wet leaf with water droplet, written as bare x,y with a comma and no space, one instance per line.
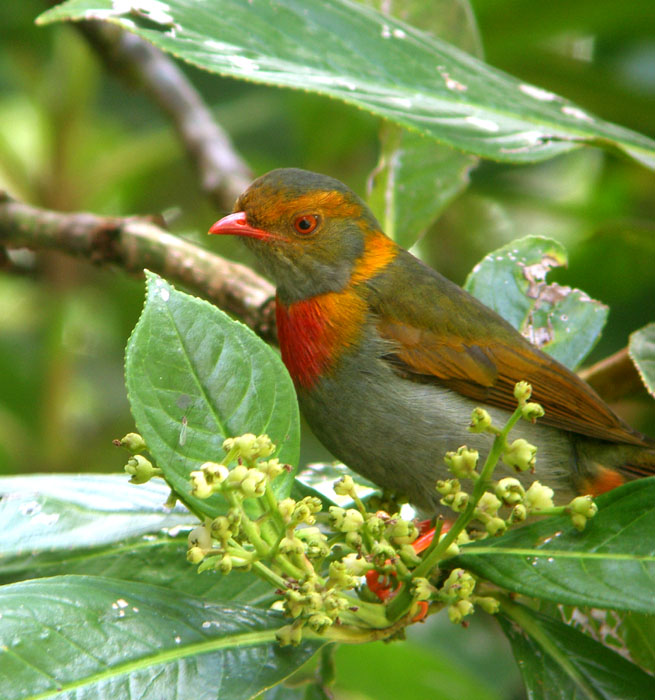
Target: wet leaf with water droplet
564,322
610,564
193,371
376,62
104,648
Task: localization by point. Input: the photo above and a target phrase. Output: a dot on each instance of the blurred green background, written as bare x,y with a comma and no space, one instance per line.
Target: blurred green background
73,137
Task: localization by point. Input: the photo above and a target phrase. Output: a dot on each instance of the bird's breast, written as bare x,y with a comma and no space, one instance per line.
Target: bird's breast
315,333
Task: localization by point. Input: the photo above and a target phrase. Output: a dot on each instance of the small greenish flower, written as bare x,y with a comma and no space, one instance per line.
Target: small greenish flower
286,508
583,505
381,551
456,501
225,565
463,462
402,532
459,584
375,525
133,442
254,485
355,564
538,497
354,540
495,526
480,421
579,521
214,473
289,635
273,468
141,469
510,491
346,520
487,506
249,447
315,541
199,537
305,510
531,411
422,589
445,488
291,545
319,622
236,476
459,610
487,603
294,602
519,514
522,392
195,555
340,576
520,455
199,486
345,486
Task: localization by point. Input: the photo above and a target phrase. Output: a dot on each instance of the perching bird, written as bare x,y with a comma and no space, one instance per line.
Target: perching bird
389,358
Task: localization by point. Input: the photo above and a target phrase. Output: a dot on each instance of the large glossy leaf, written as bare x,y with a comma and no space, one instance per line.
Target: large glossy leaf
194,377
89,637
562,321
47,512
345,50
611,564
156,559
642,352
416,178
560,663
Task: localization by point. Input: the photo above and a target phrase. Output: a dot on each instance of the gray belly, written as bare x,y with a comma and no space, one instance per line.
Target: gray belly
395,431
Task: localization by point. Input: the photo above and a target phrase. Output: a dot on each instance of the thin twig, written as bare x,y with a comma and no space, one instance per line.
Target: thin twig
136,243
223,173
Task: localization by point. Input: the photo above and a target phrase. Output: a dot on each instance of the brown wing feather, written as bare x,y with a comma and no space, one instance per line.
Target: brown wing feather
487,372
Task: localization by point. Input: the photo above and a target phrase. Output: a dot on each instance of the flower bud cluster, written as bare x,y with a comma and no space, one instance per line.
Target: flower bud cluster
458,593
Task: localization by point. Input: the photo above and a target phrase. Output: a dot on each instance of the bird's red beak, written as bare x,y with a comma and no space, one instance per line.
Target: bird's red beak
237,225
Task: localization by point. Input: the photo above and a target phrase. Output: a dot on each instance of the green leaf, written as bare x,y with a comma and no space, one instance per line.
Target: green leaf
415,178
611,564
372,61
414,181
558,661
642,351
159,560
638,632
512,281
630,634
42,513
383,671
195,377
89,637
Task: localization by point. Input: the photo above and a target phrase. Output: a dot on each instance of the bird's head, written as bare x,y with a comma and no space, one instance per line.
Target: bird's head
309,230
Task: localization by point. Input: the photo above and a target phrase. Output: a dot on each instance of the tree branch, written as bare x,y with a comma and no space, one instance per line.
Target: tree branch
223,174
614,377
135,243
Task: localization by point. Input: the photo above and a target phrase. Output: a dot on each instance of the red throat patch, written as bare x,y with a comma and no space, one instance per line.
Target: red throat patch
314,333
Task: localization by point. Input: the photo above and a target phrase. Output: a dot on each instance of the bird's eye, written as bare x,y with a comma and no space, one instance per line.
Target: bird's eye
305,224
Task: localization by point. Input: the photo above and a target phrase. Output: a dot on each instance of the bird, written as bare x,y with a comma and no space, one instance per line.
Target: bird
389,357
